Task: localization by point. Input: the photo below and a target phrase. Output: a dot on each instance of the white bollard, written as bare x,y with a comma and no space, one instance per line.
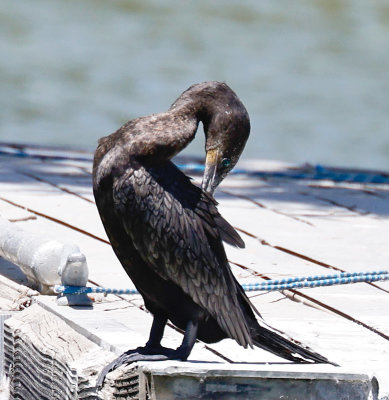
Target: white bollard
46,262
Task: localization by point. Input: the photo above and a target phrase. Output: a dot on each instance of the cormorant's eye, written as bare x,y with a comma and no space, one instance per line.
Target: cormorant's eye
226,162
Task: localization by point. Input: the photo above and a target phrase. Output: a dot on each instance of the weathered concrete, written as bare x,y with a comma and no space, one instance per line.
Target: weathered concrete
233,383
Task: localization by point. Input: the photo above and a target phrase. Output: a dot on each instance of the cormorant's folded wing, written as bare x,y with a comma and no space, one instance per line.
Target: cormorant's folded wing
178,231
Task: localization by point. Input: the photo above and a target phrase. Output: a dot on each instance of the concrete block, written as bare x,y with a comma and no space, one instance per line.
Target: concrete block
175,380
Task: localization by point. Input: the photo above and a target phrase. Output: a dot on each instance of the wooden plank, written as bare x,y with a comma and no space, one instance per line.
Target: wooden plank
327,241
125,325
292,229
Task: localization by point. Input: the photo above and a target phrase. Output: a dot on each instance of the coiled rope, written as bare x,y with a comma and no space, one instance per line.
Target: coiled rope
269,285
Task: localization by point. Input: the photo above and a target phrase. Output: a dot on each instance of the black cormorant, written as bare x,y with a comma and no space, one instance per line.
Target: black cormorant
167,232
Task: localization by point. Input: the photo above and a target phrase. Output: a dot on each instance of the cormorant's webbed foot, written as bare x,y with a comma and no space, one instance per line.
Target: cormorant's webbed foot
141,354
153,351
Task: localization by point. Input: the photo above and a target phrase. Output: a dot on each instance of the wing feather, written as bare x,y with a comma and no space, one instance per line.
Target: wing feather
178,232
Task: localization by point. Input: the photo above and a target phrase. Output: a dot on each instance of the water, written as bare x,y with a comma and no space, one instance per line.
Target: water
314,75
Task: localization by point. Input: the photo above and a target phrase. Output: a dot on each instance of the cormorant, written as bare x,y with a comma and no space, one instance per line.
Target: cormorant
167,232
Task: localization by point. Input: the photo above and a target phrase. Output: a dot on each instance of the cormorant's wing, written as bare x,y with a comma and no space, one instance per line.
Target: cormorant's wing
178,231
227,233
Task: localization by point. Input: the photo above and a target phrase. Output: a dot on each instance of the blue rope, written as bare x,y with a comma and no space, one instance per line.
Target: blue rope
269,285
317,172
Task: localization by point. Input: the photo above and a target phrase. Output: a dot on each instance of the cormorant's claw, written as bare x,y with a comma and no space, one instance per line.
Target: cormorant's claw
138,354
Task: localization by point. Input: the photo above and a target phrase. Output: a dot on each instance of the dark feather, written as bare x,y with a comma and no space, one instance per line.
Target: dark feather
184,253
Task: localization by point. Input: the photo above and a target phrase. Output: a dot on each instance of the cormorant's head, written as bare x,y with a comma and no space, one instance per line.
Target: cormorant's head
227,128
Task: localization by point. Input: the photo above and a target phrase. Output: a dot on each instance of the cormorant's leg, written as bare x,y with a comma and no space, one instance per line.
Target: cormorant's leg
190,335
153,351
156,331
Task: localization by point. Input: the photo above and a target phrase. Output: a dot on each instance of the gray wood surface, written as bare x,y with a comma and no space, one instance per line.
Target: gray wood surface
291,228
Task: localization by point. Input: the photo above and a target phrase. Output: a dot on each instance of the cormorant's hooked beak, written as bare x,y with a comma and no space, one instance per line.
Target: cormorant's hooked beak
211,178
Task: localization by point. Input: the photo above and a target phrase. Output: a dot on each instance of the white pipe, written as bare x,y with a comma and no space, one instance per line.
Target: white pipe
45,261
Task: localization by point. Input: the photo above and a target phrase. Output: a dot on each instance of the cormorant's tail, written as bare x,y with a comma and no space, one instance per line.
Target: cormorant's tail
275,341
269,340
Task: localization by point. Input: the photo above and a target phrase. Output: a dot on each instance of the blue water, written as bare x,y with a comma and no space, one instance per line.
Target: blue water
314,75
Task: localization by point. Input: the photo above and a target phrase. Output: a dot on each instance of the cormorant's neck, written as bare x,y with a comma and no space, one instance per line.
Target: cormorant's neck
202,103
159,137
196,104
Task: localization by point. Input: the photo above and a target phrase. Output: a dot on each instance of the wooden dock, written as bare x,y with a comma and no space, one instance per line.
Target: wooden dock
293,224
